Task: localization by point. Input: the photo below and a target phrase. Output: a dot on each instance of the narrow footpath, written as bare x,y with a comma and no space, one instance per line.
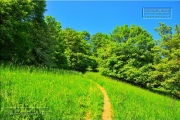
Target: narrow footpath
107,110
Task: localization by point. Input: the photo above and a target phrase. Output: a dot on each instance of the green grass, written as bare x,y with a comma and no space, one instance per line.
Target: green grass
133,103
29,93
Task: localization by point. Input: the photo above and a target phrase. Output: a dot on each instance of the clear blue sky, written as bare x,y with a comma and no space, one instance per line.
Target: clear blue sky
104,16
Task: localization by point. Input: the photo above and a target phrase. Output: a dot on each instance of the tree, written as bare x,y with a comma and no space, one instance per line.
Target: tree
131,59
165,76
57,43
40,54
97,41
15,38
78,49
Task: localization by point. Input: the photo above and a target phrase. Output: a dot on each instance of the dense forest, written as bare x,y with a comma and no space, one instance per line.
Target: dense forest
128,54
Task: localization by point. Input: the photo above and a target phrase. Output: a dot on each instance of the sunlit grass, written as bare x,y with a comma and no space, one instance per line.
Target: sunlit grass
29,93
133,103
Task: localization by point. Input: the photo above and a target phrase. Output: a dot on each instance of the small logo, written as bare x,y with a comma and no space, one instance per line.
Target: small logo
157,13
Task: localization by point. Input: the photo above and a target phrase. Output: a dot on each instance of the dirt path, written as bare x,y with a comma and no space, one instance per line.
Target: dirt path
87,116
107,110
107,105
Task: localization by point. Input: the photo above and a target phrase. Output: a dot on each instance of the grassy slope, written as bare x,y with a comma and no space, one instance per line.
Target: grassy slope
132,103
36,93
66,95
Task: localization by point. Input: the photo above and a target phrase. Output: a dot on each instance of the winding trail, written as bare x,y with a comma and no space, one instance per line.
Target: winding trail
107,109
107,105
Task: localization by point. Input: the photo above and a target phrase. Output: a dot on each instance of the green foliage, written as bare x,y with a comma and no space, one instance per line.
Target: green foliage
98,41
78,50
131,56
14,29
166,66
55,36
79,62
129,53
23,32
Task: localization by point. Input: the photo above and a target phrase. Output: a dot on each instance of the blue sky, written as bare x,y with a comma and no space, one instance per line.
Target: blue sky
104,16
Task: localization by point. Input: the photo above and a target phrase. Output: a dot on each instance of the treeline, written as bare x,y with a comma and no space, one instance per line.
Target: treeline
129,53
27,37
